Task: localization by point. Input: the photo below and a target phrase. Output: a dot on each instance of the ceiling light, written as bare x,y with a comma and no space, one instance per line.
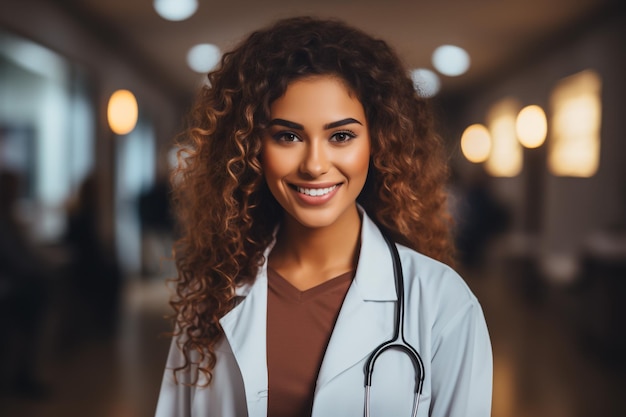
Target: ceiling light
203,57
451,60
175,10
425,82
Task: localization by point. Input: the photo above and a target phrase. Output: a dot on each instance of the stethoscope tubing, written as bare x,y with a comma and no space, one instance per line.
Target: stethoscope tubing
397,342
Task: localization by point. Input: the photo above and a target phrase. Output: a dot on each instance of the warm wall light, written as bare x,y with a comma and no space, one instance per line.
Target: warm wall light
505,159
476,143
122,112
531,126
576,117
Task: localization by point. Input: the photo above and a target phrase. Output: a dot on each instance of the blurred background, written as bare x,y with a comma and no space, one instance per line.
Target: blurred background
530,99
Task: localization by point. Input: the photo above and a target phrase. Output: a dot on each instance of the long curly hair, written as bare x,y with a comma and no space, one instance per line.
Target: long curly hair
225,210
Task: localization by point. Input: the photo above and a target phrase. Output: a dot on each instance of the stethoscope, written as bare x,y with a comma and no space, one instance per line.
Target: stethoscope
397,341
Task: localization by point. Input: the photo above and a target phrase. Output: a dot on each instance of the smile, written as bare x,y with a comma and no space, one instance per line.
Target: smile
316,192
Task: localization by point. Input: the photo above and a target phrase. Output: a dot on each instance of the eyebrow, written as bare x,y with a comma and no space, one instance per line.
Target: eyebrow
298,126
286,123
343,122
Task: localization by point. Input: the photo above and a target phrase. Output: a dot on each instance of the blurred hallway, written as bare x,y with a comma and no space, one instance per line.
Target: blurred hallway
95,200
117,375
540,368
541,365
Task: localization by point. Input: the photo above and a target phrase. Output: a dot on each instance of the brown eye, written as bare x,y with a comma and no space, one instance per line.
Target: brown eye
343,136
286,137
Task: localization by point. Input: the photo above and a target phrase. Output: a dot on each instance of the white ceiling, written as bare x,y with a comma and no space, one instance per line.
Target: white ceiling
496,33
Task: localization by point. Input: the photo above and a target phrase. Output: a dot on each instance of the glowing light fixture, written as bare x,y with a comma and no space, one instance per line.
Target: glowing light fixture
576,117
175,10
451,60
505,159
425,82
531,126
122,112
476,143
203,57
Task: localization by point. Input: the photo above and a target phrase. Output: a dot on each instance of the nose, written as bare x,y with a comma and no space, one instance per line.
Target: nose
315,161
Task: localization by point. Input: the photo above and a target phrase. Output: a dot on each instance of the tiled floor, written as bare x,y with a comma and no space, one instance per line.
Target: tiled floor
540,369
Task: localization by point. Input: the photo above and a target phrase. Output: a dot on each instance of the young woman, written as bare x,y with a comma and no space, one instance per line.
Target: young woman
307,147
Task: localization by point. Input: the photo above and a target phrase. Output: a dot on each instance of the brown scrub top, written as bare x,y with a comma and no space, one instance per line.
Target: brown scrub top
299,325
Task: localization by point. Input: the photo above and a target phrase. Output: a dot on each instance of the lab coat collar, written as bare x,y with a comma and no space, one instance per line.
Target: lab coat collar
366,317
374,274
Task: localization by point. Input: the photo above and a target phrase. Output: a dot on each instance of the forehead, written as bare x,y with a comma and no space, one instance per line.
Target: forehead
318,97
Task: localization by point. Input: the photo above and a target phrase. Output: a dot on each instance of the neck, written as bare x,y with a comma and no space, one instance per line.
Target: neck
333,249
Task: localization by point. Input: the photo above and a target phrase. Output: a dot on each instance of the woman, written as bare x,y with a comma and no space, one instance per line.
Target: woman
308,144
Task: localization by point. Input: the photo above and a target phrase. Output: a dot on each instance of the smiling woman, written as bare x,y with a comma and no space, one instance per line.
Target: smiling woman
308,153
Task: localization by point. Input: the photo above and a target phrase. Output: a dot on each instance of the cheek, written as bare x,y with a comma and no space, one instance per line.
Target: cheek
359,162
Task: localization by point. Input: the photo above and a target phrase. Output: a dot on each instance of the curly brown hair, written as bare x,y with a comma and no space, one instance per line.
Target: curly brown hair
227,214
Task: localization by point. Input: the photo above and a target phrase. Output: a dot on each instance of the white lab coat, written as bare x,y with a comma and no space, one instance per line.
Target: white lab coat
444,322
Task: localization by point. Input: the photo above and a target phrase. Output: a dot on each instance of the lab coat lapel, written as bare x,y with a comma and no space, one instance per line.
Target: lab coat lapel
366,317
244,328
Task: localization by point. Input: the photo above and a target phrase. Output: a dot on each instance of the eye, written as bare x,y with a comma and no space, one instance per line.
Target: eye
342,136
286,137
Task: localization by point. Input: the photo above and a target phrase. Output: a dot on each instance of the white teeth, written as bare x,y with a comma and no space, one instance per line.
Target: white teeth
315,192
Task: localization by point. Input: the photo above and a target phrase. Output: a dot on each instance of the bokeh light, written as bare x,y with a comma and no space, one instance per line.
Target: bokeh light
451,60
122,112
476,143
506,157
576,107
175,10
425,82
203,57
531,126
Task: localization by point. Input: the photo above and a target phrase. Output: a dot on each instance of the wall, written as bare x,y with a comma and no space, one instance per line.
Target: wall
570,210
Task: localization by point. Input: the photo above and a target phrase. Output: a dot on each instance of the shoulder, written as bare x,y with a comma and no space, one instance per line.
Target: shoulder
424,277
433,275
437,289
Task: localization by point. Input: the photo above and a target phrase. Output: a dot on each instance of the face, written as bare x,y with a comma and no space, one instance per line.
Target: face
316,151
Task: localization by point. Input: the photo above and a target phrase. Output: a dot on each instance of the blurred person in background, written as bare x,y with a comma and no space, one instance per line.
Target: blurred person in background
24,280
157,226
479,217
306,148
95,278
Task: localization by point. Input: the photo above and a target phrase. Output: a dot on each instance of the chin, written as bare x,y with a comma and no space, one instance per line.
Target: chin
318,218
